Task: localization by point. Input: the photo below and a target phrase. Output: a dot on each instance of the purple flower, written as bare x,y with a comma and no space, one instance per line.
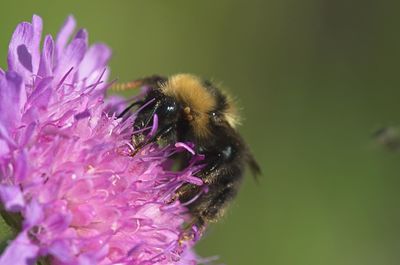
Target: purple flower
66,170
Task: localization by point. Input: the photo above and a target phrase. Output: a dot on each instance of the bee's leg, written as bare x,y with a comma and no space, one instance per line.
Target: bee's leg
211,206
223,183
222,176
187,192
208,208
194,229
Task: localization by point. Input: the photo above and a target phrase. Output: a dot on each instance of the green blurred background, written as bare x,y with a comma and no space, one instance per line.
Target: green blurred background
314,79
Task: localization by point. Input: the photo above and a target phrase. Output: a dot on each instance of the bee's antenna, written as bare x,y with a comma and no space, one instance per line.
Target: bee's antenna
127,85
128,108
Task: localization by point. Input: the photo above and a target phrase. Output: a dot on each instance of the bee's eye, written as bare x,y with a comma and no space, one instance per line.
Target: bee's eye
169,108
215,116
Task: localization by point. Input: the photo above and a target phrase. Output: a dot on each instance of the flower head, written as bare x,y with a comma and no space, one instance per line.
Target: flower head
66,168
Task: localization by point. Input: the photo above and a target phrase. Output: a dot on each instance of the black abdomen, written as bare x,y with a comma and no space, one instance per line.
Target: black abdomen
223,172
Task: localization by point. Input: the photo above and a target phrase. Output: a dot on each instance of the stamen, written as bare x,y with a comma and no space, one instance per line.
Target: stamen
155,126
185,146
64,77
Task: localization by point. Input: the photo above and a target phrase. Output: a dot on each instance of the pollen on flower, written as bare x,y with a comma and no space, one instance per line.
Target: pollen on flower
68,169
90,169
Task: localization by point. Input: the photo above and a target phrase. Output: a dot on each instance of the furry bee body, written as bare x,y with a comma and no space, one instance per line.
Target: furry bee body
194,110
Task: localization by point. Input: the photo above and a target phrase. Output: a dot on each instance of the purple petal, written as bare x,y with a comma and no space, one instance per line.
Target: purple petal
82,115
27,135
188,258
23,35
71,58
185,146
96,58
37,27
12,197
40,97
24,57
46,60
194,180
21,251
64,34
33,214
82,34
21,166
23,50
60,250
154,126
58,222
4,148
86,260
12,99
6,136
114,105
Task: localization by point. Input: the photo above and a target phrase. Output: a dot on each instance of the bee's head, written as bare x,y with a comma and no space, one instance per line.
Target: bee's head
195,106
168,110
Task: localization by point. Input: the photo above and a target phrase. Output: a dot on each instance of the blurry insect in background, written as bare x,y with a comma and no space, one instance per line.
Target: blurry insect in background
190,109
389,137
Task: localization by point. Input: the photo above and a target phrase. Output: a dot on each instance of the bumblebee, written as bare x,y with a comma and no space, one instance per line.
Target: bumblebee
190,109
389,137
